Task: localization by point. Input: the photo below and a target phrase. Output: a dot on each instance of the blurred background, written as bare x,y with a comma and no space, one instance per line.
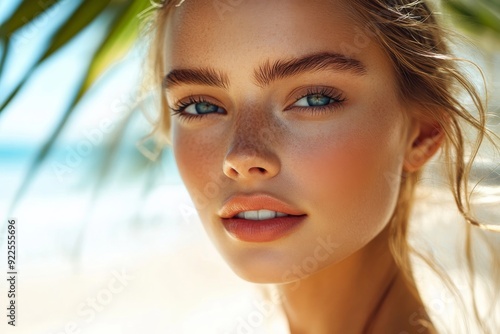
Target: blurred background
108,239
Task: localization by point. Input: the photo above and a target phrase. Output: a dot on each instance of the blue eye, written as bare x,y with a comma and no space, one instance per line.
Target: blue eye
315,100
201,108
196,107
319,100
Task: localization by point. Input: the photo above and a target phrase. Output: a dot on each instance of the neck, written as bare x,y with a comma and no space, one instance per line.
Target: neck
363,293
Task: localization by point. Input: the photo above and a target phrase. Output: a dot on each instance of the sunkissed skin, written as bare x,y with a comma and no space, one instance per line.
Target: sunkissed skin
333,162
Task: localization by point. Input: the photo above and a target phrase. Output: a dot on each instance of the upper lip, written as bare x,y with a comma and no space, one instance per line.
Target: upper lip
253,202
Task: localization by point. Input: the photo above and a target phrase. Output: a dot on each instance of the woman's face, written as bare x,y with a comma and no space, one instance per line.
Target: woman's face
297,102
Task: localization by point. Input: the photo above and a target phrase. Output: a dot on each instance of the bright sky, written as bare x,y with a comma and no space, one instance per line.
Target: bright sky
32,115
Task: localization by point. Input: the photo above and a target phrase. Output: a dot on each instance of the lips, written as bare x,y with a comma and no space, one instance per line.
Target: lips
255,218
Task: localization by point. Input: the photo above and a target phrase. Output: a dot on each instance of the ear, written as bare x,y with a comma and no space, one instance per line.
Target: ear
424,140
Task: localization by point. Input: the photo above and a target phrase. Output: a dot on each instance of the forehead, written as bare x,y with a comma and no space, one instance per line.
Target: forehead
240,34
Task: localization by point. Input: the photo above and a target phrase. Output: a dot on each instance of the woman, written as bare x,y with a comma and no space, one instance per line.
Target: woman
300,130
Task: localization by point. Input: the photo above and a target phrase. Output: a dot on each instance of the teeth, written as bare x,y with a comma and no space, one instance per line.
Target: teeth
252,215
266,214
260,214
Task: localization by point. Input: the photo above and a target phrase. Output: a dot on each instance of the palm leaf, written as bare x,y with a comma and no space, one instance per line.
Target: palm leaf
493,4
478,18
4,42
122,33
85,14
74,24
26,12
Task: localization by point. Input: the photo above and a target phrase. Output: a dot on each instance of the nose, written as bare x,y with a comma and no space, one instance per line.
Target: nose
250,158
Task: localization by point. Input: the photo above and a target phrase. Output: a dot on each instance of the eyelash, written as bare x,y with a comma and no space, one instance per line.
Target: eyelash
335,95
181,106
331,93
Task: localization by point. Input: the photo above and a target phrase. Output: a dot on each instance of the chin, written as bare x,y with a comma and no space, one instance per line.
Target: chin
274,264
261,266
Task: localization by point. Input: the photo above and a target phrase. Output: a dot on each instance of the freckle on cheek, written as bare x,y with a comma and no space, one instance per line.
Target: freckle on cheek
193,157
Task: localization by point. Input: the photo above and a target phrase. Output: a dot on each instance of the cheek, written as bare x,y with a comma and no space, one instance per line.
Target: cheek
346,171
196,157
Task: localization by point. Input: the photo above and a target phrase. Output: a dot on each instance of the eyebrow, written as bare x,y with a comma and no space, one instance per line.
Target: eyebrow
268,72
197,76
281,69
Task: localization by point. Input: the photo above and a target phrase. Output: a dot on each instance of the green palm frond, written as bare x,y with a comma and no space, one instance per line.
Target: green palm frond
26,9
80,19
124,28
117,39
478,17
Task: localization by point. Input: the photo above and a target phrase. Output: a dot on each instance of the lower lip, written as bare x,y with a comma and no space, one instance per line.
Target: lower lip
261,230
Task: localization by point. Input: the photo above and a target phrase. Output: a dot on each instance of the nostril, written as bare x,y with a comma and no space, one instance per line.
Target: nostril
237,165
259,170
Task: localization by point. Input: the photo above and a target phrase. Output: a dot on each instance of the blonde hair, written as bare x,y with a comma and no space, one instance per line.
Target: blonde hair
428,76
